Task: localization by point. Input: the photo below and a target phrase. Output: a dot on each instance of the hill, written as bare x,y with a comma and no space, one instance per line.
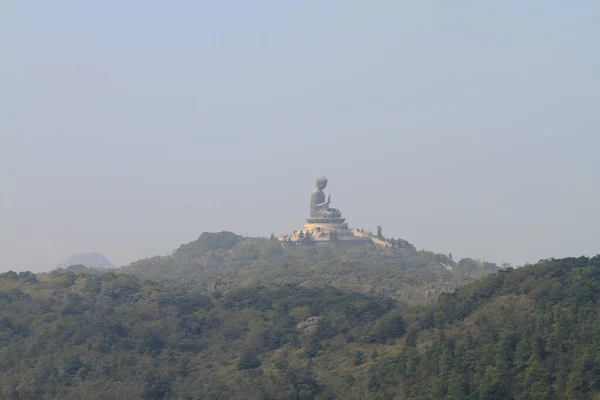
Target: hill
530,333
89,260
220,262
72,336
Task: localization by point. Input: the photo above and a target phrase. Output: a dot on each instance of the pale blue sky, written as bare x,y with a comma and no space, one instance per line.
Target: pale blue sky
129,127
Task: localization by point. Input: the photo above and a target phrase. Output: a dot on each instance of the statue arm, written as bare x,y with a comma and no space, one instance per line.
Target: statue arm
325,203
316,203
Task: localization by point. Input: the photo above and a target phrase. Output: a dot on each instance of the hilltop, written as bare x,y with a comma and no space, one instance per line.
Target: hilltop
220,262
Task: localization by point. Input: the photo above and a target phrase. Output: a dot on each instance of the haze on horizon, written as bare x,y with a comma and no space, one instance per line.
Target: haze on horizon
131,127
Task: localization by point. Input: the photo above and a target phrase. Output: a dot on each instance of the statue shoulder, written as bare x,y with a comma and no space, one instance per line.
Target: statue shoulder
317,195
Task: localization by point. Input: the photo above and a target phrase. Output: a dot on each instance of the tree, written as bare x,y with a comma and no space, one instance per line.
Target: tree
535,370
308,239
496,391
248,361
333,236
522,354
306,385
379,233
457,386
313,348
388,327
359,358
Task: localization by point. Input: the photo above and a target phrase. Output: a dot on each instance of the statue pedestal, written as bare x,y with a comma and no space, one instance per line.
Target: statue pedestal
325,220
321,230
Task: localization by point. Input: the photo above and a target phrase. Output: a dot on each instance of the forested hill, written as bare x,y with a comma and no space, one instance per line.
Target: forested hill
224,261
530,333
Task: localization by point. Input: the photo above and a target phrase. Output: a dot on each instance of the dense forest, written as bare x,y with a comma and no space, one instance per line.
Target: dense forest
528,333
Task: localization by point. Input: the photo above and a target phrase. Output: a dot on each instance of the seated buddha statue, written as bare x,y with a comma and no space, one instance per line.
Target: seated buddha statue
319,208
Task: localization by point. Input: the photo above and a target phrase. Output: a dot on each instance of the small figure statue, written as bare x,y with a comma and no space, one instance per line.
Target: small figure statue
319,208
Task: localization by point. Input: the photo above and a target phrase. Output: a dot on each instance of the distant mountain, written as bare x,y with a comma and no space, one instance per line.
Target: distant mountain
90,260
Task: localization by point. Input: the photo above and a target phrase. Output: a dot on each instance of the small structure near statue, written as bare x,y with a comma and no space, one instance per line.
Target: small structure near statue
325,223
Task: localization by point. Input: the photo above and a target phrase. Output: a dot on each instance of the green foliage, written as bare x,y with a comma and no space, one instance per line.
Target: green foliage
220,262
359,358
209,241
25,276
66,335
333,237
307,239
387,328
248,361
313,348
528,333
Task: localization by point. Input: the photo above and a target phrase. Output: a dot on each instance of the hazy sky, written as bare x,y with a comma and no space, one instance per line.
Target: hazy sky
130,127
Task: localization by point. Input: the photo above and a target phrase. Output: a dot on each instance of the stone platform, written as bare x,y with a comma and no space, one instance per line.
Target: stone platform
322,229
326,220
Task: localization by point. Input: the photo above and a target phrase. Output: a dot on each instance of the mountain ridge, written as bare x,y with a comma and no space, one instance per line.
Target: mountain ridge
93,259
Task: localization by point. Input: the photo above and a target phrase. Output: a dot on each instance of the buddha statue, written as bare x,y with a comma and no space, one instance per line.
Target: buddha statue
319,208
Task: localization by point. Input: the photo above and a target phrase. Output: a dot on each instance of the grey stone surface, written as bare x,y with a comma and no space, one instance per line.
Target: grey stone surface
319,207
310,325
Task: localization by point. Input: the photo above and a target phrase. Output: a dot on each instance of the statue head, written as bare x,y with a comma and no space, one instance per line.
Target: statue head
321,183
